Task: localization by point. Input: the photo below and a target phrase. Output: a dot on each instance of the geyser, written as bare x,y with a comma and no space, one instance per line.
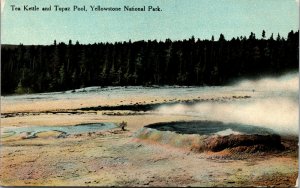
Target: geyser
215,136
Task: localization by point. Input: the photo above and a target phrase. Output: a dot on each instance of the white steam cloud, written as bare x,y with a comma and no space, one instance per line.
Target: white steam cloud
278,109
288,83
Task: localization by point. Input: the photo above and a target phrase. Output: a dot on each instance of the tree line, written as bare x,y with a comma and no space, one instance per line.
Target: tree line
60,66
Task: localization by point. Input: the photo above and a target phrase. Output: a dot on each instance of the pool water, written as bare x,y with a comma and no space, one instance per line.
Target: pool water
209,128
66,130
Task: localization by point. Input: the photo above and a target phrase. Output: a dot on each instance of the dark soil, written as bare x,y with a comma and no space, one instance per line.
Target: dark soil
245,143
153,106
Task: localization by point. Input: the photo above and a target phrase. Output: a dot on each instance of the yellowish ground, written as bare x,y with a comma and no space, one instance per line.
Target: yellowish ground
115,158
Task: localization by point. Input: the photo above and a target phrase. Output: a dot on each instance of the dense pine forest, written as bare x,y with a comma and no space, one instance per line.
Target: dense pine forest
60,66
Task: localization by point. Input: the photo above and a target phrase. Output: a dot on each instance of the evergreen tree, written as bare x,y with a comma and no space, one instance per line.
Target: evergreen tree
58,67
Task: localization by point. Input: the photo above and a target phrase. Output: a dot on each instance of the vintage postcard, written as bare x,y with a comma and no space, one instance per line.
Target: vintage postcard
149,93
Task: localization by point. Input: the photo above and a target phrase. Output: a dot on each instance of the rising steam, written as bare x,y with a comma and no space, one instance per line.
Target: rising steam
287,83
277,109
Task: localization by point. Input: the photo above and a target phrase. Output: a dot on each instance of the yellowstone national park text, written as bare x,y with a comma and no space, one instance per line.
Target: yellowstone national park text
85,8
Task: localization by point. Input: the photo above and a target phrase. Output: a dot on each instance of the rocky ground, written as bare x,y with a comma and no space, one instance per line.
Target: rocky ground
119,158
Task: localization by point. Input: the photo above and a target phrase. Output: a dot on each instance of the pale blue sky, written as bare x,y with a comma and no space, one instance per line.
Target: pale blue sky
180,19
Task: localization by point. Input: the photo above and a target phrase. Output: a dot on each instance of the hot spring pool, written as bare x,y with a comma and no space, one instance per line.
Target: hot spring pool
212,136
66,130
209,128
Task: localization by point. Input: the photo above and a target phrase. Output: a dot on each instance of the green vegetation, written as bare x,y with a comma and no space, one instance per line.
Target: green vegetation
63,66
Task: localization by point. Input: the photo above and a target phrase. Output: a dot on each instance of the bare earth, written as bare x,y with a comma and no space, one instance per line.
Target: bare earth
117,158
